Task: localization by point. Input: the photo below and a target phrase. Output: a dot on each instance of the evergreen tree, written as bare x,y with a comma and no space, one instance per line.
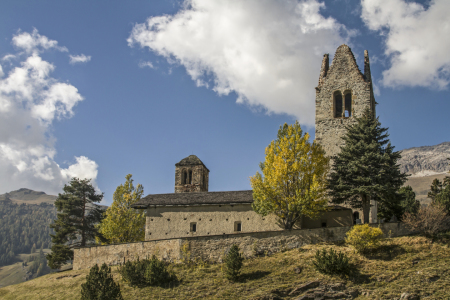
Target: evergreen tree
440,192
366,168
123,224
100,285
233,263
75,222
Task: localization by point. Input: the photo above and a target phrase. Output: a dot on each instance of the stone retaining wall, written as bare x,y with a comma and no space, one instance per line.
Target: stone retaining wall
212,248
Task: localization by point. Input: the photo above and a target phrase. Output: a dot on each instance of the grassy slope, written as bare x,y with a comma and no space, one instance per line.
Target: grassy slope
385,275
421,186
15,273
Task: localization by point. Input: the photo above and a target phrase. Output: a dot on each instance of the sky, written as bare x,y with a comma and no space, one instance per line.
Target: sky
102,89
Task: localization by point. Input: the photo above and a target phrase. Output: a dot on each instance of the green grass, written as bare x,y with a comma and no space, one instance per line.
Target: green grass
385,274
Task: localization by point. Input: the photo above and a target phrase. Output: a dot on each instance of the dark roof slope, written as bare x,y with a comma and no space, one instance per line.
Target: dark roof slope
198,198
191,160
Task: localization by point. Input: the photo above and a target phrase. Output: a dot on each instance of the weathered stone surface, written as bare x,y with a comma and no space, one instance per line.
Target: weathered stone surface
304,287
408,296
212,248
341,80
191,175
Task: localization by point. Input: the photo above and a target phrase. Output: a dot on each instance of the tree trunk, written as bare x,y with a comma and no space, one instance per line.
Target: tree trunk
83,239
366,208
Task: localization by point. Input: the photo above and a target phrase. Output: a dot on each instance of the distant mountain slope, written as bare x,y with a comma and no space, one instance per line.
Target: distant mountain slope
28,196
426,160
424,164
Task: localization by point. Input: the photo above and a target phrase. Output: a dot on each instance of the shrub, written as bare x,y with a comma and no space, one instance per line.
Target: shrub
146,272
331,262
429,220
100,285
133,272
233,263
156,272
364,238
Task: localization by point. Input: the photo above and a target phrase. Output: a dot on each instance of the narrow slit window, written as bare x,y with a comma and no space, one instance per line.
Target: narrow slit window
337,105
184,180
355,217
193,227
190,177
348,105
238,226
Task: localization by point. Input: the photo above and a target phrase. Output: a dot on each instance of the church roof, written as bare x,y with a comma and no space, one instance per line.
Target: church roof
197,198
191,160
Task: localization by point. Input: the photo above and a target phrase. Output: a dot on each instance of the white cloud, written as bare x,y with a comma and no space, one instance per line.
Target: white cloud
34,42
417,40
79,58
31,100
8,57
268,52
144,64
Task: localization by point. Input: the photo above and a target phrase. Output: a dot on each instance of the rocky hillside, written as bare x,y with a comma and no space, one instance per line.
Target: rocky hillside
426,160
424,164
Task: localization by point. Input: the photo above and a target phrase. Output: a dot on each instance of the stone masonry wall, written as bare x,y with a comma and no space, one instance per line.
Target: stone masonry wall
200,179
212,248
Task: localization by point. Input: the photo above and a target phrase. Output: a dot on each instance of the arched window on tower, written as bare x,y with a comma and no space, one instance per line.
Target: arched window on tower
337,104
348,104
184,178
190,176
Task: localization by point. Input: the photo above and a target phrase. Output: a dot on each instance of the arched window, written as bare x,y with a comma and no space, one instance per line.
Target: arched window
184,178
348,104
190,176
337,104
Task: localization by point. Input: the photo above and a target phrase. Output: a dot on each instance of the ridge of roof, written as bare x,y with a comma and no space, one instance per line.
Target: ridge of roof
196,198
191,160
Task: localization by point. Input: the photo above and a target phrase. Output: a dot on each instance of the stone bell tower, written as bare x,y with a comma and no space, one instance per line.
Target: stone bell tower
342,94
191,175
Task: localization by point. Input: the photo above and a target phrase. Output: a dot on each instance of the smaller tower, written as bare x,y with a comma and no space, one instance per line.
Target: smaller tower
191,175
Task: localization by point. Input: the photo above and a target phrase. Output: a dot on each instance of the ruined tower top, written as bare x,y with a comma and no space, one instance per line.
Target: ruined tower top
191,175
343,93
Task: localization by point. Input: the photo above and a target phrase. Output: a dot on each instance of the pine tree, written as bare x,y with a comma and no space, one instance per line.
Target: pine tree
440,192
100,285
366,168
233,263
75,222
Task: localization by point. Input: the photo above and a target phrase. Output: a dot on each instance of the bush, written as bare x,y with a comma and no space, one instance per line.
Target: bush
233,263
100,285
331,262
429,220
146,272
364,238
156,272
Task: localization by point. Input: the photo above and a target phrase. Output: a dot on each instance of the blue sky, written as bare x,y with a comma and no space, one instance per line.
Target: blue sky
102,89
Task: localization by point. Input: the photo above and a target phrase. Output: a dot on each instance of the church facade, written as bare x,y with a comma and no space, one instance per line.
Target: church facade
343,93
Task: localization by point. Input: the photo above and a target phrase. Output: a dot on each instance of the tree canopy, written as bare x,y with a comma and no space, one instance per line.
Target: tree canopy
293,179
75,221
366,168
123,224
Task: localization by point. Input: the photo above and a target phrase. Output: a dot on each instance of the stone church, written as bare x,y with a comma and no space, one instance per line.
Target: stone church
343,93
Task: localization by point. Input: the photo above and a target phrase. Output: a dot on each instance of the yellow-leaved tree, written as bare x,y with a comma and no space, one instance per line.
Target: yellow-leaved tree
123,224
293,179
